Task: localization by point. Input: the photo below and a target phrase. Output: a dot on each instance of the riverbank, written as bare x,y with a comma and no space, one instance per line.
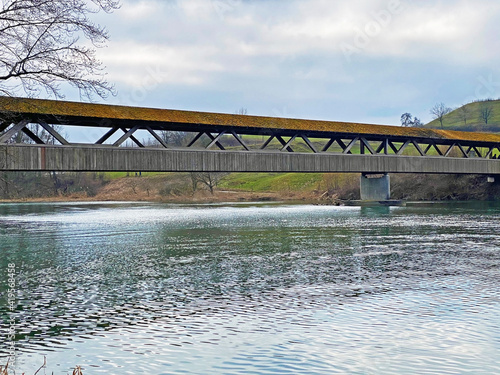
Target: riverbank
174,188
199,197
239,187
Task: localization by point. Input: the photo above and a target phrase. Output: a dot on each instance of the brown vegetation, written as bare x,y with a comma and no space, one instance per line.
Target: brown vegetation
179,187
32,185
443,187
4,370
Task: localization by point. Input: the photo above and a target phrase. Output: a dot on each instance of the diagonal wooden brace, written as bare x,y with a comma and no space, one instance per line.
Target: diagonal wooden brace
53,133
156,136
13,131
240,141
128,134
215,140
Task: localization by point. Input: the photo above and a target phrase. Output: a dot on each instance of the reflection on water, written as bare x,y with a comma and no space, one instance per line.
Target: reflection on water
247,288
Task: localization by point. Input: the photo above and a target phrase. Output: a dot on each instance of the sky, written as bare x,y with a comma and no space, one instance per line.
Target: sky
356,61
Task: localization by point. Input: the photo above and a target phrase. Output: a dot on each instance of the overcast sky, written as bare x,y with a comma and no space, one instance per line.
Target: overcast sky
359,61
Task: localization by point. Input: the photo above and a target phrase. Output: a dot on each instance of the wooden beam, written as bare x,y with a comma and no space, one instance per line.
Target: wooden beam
284,144
157,137
240,141
328,145
53,133
193,141
33,136
106,136
13,130
367,145
215,140
347,150
308,142
266,143
127,135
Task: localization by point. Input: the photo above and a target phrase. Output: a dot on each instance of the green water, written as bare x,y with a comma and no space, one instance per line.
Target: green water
252,288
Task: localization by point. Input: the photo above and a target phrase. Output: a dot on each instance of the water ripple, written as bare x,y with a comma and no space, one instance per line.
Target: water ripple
254,289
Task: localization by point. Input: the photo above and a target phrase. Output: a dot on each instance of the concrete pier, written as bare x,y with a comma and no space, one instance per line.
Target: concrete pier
375,187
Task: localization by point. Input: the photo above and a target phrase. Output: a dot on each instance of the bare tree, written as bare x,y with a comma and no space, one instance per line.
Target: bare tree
439,111
464,113
41,47
175,138
486,111
209,179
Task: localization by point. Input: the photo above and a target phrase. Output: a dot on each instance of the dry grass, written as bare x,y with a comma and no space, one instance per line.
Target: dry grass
4,370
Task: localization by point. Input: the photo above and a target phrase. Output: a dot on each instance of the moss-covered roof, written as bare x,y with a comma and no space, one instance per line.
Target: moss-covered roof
75,113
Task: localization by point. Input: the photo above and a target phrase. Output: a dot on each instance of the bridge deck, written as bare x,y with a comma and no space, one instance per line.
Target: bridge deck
99,115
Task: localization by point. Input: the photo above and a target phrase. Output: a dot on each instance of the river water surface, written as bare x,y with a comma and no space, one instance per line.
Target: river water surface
130,288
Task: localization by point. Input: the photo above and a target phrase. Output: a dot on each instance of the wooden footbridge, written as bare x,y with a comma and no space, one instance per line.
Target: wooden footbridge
225,142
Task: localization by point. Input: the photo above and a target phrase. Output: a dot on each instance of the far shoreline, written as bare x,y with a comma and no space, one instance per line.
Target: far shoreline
231,197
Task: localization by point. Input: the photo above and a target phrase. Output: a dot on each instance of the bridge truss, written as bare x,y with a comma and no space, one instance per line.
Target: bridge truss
215,141
254,140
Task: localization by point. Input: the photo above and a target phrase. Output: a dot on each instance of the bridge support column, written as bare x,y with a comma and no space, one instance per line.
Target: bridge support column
375,187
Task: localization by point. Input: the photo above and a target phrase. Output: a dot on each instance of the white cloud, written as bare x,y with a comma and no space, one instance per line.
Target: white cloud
140,11
298,46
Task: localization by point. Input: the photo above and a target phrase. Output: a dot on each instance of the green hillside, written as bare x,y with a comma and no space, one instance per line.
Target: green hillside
275,182
473,122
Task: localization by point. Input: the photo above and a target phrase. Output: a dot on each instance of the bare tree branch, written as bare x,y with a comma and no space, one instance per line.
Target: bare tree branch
209,179
40,49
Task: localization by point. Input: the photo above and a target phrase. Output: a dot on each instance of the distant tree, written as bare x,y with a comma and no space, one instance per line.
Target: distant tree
464,113
174,138
406,119
417,123
40,47
242,111
486,111
439,111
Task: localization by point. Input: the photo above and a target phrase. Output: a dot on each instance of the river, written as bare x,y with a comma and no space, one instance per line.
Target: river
127,288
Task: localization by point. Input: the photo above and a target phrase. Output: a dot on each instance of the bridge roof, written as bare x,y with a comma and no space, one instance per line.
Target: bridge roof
101,115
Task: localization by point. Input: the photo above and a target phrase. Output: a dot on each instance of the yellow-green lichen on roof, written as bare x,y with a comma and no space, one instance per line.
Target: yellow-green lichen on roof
191,119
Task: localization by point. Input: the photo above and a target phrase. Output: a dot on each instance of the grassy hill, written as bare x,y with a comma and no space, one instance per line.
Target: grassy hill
455,119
